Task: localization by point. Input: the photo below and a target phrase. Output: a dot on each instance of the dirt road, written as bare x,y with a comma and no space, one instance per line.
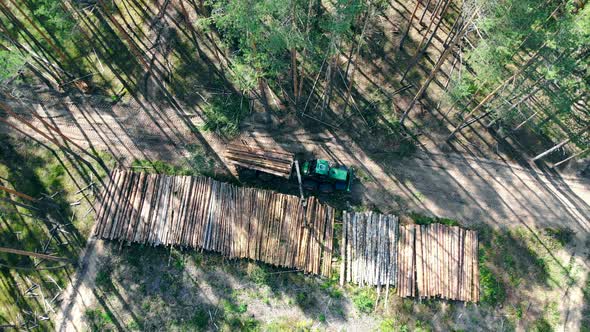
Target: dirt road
468,189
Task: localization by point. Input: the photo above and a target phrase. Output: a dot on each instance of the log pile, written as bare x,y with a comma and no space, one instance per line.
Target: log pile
406,273
198,212
274,162
369,243
419,260
446,262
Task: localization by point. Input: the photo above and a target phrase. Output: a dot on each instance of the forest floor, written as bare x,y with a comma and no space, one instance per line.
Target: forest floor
141,288
449,185
523,203
534,224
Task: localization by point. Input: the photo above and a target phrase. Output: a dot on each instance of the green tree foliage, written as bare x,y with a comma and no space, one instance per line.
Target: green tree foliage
550,40
262,35
47,29
53,18
10,63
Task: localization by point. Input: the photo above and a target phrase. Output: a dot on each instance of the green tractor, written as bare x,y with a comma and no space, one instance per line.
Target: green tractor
319,174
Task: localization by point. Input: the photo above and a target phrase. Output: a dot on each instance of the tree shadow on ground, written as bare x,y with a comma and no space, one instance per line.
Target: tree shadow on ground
48,224
586,303
162,287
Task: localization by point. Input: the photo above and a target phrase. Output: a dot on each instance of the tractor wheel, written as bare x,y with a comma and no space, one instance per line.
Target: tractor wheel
326,188
310,185
246,173
264,176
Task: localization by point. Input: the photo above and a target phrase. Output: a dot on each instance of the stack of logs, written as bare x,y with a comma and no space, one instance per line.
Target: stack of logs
270,161
419,260
446,262
406,273
369,244
198,212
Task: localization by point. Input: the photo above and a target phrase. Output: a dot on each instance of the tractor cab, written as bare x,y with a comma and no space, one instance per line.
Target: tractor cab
319,174
316,168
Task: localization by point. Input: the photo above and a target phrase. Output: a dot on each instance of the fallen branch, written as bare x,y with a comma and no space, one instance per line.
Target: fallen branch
320,121
33,254
81,190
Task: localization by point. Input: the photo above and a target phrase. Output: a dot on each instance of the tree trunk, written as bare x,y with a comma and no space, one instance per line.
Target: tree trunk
187,22
405,35
425,10
432,19
24,50
559,145
40,59
304,57
522,100
492,94
543,154
525,121
4,107
451,33
532,92
436,27
294,70
570,157
33,254
132,47
329,84
356,55
294,51
437,67
16,193
61,54
421,49
261,82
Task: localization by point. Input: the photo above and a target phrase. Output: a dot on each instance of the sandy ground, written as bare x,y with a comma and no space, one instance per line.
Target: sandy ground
79,295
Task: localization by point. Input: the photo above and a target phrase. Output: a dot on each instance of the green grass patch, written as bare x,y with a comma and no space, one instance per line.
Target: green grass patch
257,274
53,179
586,310
516,260
543,264
234,317
425,220
223,115
330,286
362,176
199,321
288,324
103,278
98,320
392,325
305,300
493,291
364,299
563,236
197,163
159,167
541,325
231,307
